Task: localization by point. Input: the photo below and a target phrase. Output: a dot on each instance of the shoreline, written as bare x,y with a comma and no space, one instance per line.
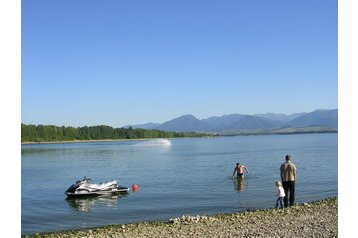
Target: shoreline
313,219
83,141
138,139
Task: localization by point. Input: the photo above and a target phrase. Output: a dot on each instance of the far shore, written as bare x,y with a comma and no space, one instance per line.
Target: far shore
138,139
82,141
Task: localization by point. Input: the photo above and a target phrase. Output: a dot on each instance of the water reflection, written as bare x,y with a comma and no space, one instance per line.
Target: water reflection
86,204
239,183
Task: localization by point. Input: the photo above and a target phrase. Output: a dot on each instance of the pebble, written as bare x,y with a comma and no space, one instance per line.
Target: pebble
315,219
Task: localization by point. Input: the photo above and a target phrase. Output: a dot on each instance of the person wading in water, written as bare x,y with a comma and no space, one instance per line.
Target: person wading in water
239,169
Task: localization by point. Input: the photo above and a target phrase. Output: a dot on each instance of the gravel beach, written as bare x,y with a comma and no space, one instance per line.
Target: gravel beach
315,219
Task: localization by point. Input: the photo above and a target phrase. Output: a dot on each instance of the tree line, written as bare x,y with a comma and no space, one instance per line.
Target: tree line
50,133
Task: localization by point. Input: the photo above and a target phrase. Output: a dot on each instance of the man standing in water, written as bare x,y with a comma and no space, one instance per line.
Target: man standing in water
239,169
288,177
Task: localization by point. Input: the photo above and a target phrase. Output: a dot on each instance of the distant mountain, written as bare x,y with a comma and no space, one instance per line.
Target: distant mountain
316,118
147,126
224,122
186,123
235,122
280,117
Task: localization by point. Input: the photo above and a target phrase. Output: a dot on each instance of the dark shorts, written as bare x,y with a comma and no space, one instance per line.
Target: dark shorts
240,175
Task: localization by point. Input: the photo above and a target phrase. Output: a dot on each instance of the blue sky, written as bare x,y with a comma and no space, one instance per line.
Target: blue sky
130,62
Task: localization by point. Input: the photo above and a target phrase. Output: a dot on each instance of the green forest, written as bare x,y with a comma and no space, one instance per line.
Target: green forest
51,133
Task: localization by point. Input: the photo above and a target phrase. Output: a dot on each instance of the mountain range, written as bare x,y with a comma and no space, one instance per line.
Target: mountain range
327,118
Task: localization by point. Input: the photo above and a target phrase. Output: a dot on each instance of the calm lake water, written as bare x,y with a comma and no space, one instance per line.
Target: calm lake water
175,177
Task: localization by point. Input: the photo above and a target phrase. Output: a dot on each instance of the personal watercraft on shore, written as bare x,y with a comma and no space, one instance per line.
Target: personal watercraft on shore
84,188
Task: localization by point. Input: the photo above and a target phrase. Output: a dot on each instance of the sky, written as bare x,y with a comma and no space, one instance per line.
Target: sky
121,63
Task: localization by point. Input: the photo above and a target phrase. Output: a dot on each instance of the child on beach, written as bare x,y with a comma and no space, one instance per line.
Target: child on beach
280,194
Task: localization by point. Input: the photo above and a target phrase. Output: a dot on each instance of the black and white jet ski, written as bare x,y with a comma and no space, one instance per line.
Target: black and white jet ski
84,187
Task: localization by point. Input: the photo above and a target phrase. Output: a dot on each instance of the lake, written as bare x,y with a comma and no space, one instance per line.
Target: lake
175,177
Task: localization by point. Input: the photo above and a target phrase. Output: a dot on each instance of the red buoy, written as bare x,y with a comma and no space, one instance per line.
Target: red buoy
134,187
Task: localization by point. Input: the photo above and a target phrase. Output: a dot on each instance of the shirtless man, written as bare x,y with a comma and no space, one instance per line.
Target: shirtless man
239,169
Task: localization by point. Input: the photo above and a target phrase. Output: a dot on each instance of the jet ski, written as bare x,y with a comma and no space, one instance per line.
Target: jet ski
84,188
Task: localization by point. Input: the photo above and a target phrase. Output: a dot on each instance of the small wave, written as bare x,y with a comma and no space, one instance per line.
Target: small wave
155,142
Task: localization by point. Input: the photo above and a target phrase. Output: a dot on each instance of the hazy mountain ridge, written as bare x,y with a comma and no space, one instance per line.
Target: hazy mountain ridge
233,122
281,117
184,123
319,117
149,125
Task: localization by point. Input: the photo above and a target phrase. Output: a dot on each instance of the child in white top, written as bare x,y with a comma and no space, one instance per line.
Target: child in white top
280,194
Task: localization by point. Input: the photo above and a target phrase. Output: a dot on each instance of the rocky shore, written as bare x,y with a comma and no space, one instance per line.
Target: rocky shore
315,219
